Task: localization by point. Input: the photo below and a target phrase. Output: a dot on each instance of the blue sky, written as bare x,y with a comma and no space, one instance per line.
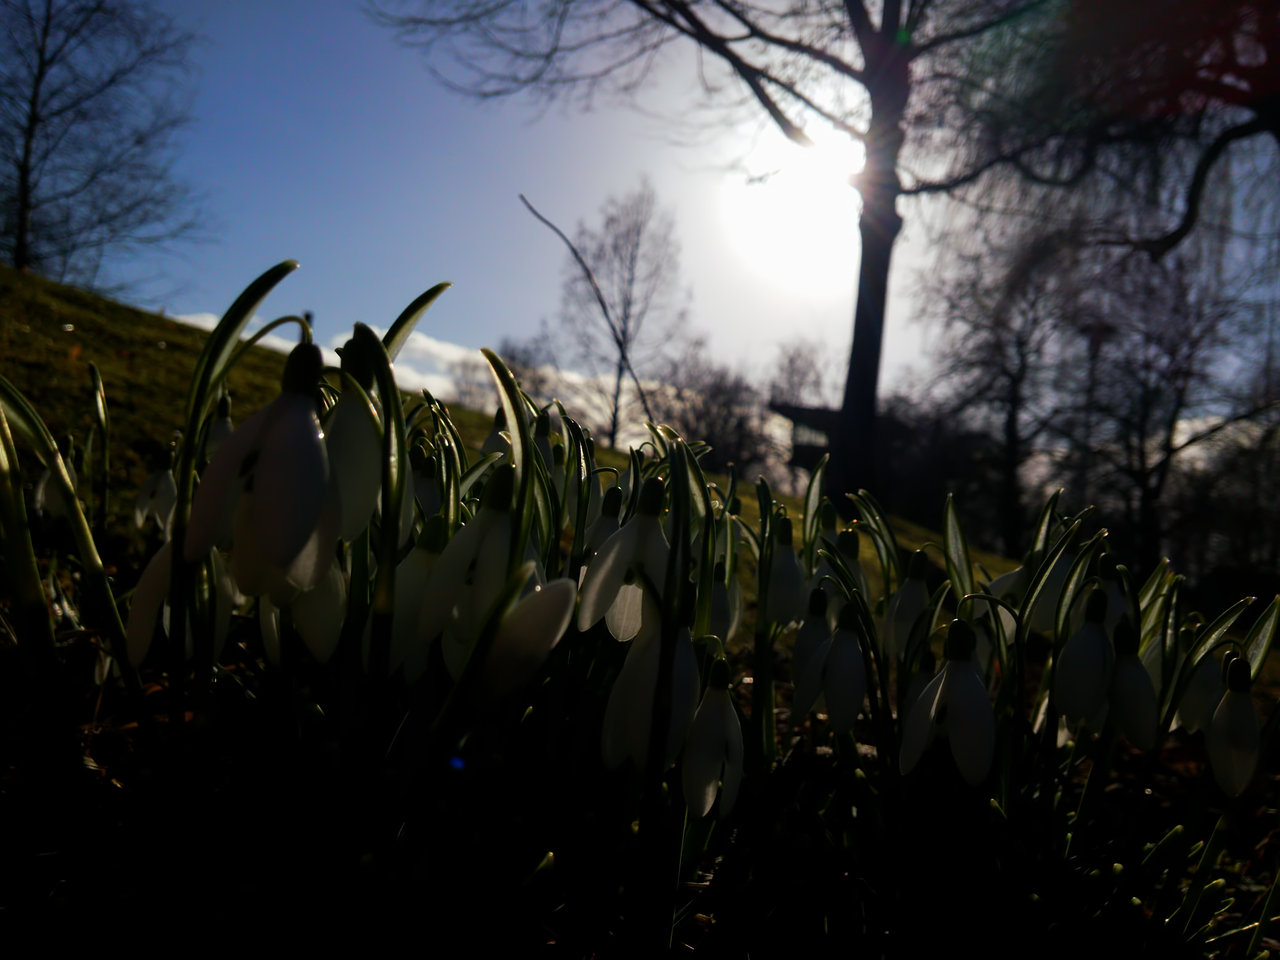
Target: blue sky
318,137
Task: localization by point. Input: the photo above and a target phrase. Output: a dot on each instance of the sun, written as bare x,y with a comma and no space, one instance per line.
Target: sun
795,220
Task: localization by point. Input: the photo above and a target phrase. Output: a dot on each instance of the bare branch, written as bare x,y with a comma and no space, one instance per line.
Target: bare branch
600,299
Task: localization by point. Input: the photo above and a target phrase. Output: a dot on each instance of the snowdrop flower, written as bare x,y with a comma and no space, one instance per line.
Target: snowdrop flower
836,671
409,645
726,605
629,714
270,478
468,578
919,681
906,606
786,600
151,603
954,704
1232,738
529,631
607,523
318,615
495,442
1082,675
156,499
220,429
1195,710
47,495
713,752
813,633
1133,697
638,548
354,450
1044,616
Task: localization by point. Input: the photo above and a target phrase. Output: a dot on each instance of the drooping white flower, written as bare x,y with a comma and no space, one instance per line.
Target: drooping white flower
605,526
156,499
640,549
1232,738
220,429
1133,696
906,606
835,670
151,603
268,486
47,495
1044,616
954,704
1082,675
529,631
468,578
713,753
318,616
629,713
785,602
409,644
1203,692
726,605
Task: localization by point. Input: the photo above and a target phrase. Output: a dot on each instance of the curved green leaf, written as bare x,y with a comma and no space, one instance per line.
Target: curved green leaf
398,335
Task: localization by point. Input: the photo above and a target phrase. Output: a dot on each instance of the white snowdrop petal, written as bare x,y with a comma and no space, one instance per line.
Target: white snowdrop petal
615,737
810,684
811,635
732,776
1134,700
971,723
624,617
529,632
1232,740
142,502
1081,677
226,601
605,576
290,479
220,480
845,681
355,456
704,755
313,561
450,574
148,597
412,576
919,730
786,600
269,624
318,614
1202,695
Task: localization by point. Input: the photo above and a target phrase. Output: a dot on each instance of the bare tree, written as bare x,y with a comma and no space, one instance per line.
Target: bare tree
709,401
626,310
856,66
91,97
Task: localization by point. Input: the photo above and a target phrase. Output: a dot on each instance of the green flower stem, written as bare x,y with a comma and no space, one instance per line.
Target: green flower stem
395,472
104,427
21,580
95,576
1103,753
1204,868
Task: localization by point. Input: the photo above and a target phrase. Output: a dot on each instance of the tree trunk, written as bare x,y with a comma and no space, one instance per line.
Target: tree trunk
852,456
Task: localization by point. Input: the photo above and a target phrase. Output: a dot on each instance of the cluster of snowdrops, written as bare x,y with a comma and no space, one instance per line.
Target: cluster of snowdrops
486,566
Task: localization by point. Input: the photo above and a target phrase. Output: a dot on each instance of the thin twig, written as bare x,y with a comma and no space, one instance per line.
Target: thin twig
604,306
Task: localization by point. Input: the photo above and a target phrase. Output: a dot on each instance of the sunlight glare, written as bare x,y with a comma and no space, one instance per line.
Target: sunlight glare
796,223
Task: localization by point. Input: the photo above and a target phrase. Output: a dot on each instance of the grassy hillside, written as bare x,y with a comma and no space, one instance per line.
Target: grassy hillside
49,334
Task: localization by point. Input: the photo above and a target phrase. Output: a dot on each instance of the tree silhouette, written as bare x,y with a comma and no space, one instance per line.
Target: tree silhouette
89,106
859,67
